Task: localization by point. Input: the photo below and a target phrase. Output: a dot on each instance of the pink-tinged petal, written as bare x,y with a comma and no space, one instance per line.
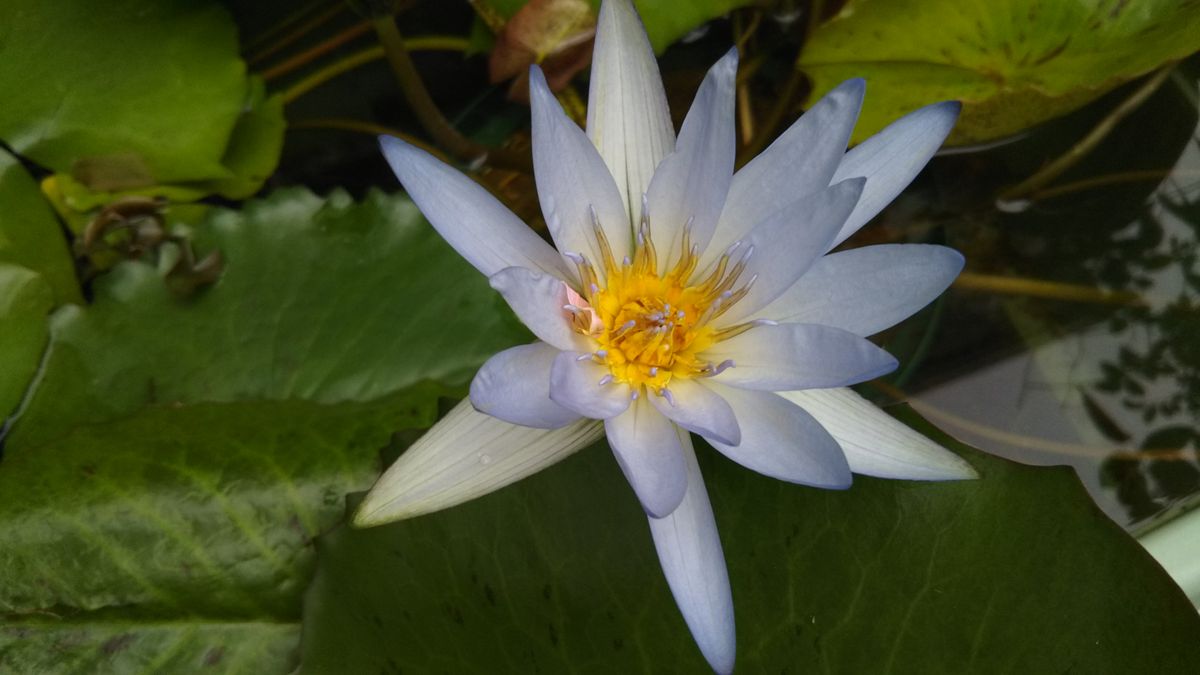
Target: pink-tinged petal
689,549
627,119
800,162
892,158
514,386
875,443
573,183
699,409
580,384
866,290
538,301
781,440
792,356
648,450
472,221
690,185
467,454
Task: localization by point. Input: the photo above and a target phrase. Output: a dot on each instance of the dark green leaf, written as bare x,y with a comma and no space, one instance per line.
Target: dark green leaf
1017,573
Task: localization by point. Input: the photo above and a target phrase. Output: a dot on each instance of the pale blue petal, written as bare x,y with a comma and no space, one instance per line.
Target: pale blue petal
472,221
781,440
647,448
791,356
866,290
892,158
514,386
689,549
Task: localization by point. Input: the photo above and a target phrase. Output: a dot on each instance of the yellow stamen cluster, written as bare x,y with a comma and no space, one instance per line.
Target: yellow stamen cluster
653,326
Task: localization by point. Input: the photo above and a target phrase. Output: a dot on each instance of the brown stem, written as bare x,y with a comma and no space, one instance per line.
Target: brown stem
299,32
766,130
1081,149
427,112
316,51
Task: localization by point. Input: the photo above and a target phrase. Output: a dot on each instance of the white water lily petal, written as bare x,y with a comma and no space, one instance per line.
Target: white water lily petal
627,118
875,443
538,300
689,550
472,221
783,441
514,386
892,158
787,244
698,408
582,385
572,180
798,356
691,183
866,290
467,455
800,162
648,449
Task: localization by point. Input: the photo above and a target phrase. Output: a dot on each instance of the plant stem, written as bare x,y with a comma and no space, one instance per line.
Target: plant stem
1044,289
1056,168
299,32
352,61
316,51
427,112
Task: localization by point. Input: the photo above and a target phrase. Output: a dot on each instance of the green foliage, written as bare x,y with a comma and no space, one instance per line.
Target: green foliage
321,300
159,498
558,574
25,299
1013,64
29,234
135,94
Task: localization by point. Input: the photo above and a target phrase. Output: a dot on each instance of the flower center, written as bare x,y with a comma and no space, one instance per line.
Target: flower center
652,326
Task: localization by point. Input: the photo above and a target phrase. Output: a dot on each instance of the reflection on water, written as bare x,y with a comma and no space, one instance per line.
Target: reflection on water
1108,383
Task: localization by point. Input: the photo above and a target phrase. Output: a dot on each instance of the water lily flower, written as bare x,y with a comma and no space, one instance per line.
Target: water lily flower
682,298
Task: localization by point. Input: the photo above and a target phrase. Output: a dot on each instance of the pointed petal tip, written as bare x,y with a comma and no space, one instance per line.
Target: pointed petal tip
537,79
855,85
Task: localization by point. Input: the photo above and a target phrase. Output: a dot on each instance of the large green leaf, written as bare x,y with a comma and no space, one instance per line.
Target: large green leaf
159,497
178,531
1016,573
321,300
25,300
30,236
130,93
1012,63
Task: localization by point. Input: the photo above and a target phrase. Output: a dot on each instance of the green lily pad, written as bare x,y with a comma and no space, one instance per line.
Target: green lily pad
135,94
160,494
25,300
1016,572
1013,64
30,235
179,531
321,299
